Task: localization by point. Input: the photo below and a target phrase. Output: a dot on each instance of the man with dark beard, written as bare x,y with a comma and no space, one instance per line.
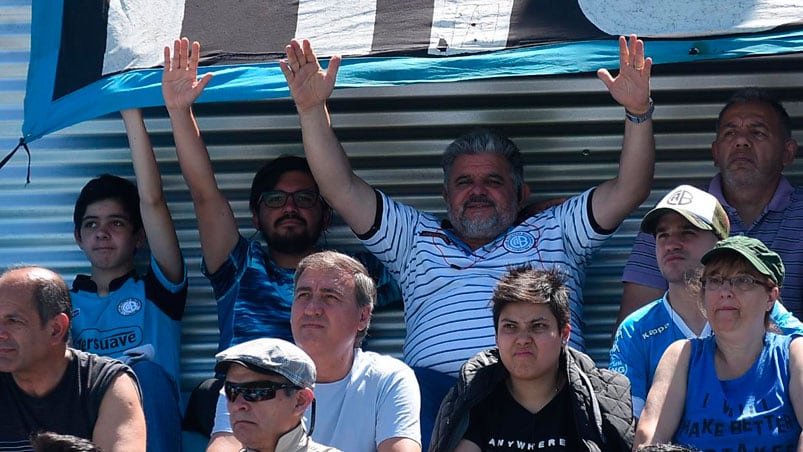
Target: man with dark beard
253,285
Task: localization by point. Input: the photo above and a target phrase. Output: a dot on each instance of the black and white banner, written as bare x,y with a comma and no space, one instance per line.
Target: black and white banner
91,57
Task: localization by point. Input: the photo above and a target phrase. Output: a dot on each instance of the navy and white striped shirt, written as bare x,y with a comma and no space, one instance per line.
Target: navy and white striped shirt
447,287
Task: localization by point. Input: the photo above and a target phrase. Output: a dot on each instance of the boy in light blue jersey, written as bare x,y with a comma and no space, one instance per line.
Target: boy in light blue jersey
116,311
686,224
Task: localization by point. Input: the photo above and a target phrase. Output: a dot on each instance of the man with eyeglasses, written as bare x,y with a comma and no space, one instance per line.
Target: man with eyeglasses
253,285
365,401
686,224
269,385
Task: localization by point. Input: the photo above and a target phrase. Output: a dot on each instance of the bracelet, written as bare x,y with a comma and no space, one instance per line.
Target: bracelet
638,119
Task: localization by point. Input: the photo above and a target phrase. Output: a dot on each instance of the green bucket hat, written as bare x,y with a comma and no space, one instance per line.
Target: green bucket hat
766,261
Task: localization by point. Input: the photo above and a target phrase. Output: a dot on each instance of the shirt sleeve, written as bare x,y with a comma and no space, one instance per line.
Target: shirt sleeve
628,359
785,320
222,422
399,407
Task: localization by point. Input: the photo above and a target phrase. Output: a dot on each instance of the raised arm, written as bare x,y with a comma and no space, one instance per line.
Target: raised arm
156,219
311,86
666,400
615,199
180,87
121,422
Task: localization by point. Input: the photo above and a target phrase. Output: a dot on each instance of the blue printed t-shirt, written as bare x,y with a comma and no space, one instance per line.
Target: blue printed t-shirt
140,315
751,412
254,295
643,337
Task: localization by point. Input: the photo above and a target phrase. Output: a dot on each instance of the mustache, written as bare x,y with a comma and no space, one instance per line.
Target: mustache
290,216
478,199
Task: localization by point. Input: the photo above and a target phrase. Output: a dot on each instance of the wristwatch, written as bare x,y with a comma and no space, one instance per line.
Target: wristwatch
642,117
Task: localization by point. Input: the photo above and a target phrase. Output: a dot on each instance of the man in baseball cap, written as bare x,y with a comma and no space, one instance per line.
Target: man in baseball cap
686,223
269,384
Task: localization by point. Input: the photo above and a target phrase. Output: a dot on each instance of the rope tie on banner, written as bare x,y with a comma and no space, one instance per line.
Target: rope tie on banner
23,144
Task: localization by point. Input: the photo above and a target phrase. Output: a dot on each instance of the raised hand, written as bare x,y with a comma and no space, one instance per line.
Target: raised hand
631,87
180,83
309,84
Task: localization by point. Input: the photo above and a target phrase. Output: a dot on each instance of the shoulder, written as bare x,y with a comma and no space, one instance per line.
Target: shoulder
647,316
680,351
380,366
99,367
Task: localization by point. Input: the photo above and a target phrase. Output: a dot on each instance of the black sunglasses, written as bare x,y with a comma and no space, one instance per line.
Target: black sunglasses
254,391
303,199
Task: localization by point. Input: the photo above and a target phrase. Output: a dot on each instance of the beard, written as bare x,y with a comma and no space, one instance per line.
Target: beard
742,177
482,228
293,241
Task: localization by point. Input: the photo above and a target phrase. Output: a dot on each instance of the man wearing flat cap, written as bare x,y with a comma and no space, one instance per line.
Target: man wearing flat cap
269,385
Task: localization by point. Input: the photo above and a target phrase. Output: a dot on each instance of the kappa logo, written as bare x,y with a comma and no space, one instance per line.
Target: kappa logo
680,198
129,306
519,242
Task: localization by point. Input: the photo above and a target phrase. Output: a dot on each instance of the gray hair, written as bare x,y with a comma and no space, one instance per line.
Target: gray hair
364,285
484,141
761,96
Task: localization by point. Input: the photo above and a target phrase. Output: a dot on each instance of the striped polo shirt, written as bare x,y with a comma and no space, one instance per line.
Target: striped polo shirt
447,287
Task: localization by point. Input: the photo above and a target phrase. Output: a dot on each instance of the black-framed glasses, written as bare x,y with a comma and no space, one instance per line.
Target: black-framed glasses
303,199
743,283
254,391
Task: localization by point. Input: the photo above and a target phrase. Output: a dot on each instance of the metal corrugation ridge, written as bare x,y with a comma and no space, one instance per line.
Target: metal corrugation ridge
567,126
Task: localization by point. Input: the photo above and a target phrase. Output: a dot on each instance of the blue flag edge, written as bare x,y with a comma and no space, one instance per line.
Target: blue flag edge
142,88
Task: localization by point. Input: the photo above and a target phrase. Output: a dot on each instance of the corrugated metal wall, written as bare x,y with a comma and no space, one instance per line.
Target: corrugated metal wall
568,127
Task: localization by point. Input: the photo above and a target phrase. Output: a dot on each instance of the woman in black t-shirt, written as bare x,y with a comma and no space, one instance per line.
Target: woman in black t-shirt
532,392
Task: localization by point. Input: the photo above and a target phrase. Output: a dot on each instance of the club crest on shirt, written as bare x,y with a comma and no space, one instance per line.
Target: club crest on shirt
129,306
519,242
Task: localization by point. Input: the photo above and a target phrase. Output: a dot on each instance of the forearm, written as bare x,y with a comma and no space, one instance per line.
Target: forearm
193,157
399,445
616,198
637,162
217,226
352,197
156,219
149,182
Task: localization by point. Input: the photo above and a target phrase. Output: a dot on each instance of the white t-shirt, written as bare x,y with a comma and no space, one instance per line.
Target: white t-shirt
379,399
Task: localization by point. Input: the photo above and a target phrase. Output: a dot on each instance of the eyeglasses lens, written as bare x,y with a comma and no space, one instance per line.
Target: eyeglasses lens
278,198
742,283
255,391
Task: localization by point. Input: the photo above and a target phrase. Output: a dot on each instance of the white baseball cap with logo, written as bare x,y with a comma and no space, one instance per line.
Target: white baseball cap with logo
700,208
